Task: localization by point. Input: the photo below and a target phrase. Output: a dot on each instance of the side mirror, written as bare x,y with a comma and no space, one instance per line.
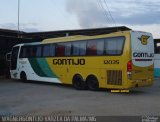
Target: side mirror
8,56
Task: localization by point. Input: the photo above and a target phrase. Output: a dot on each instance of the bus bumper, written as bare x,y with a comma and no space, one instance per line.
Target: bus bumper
142,83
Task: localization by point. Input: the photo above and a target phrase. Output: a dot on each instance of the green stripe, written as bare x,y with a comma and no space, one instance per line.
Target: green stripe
157,72
45,67
41,67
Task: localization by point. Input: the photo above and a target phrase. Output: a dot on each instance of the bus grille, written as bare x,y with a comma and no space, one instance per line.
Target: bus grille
114,77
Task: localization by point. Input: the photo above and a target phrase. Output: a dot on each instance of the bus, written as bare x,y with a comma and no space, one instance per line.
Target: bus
157,58
117,60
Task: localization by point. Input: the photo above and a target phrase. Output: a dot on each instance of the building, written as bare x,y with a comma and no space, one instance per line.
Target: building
8,38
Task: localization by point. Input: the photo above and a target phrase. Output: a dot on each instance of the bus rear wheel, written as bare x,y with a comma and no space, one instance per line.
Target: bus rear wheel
92,83
23,77
78,82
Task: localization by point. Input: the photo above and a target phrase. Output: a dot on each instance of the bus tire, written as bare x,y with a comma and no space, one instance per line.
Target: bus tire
23,77
78,82
92,83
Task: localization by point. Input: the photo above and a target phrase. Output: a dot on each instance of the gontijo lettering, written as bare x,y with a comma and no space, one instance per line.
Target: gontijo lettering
69,61
136,54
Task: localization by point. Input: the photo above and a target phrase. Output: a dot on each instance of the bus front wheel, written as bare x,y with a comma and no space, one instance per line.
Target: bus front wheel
23,77
92,83
78,82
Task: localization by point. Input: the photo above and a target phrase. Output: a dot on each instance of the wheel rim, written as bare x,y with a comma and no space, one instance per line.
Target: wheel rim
93,84
79,83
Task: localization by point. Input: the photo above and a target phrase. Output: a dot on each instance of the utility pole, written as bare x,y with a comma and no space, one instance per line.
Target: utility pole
18,18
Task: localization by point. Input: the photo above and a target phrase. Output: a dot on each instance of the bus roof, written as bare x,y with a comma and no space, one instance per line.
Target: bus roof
66,38
81,37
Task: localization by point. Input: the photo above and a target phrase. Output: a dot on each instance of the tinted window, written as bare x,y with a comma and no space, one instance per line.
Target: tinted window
23,52
107,46
114,46
26,52
95,47
30,51
78,48
82,47
49,50
67,49
52,50
33,50
92,47
60,49
46,50
75,48
100,46
39,51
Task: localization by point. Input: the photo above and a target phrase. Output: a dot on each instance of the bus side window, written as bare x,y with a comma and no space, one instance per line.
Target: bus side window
82,48
28,51
75,48
39,51
33,51
114,46
52,50
100,46
92,48
23,52
46,50
60,49
68,49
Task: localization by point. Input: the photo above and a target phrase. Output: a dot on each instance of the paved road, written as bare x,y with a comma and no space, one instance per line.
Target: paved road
18,98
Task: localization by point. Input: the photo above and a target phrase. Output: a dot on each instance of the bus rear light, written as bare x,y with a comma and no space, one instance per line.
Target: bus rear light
129,69
129,66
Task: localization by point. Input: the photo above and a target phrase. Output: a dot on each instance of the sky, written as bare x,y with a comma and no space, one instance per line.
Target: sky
52,15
